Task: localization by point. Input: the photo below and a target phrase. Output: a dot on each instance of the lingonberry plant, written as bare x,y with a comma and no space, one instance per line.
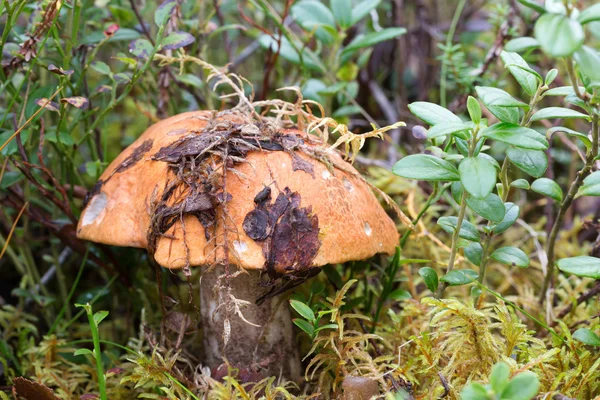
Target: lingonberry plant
458,156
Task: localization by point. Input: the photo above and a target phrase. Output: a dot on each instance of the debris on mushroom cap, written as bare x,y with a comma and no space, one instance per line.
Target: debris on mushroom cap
285,203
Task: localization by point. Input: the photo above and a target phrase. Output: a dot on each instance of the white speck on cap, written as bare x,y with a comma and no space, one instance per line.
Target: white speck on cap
93,210
239,246
368,229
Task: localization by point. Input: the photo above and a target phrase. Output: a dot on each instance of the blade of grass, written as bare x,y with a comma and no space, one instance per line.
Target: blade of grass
12,230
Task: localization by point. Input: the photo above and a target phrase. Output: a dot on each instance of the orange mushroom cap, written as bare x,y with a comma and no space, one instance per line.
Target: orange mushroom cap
279,208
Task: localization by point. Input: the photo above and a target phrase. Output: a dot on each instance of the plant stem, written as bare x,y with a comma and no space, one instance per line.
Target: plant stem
455,236
566,203
449,40
97,352
433,198
506,186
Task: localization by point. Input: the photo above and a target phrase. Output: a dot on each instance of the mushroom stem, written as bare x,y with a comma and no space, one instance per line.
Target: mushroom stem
268,349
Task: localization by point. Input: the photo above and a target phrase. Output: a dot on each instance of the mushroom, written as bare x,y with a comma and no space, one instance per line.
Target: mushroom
262,208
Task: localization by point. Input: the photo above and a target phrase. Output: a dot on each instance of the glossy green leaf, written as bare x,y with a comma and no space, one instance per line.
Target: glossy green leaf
520,184
312,15
499,376
494,97
164,11
586,336
474,391
557,112
460,277
547,187
100,67
511,256
399,295
588,60
141,48
474,253
467,230
516,135
305,326
81,352
99,316
533,162
448,129
559,35
363,9
562,91
584,138
591,185
342,11
425,168
432,113
528,81
524,386
521,44
304,310
478,176
510,217
371,39
430,278
491,207
534,5
592,13
584,266
177,40
474,109
550,76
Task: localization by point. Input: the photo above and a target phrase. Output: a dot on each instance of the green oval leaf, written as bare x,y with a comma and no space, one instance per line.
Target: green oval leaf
584,266
491,207
533,162
141,48
510,217
524,386
304,310
547,187
521,44
467,230
460,277
528,81
164,11
177,40
584,138
559,35
371,39
474,253
520,184
304,325
448,129
426,168
557,112
342,11
586,336
477,176
592,13
494,97
430,278
363,9
511,256
432,113
588,60
516,135
313,15
591,185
